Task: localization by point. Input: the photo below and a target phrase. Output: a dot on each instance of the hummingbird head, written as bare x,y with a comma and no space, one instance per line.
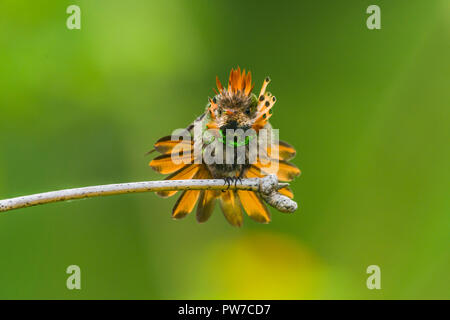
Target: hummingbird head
237,107
235,111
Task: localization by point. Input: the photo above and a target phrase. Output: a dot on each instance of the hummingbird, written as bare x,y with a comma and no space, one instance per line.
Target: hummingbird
232,109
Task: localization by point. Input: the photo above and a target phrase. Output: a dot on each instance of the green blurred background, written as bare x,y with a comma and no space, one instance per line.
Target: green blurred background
367,110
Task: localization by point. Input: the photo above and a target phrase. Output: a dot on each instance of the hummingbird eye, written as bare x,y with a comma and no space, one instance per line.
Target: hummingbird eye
248,111
219,112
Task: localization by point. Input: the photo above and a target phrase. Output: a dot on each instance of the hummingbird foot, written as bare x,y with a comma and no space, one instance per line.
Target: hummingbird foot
230,180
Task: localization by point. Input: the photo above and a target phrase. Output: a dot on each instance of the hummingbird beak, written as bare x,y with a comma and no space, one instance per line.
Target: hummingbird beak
229,112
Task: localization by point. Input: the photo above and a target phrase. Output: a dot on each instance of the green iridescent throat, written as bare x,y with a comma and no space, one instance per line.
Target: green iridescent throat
233,143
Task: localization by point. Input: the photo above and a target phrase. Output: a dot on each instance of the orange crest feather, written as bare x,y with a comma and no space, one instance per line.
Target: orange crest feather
237,82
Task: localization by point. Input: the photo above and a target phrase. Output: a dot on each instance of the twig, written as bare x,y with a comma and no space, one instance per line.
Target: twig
267,187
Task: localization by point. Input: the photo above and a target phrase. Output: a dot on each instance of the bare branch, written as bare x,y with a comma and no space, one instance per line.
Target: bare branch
267,187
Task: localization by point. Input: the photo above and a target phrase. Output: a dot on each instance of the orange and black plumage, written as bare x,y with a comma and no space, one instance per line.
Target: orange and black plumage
234,107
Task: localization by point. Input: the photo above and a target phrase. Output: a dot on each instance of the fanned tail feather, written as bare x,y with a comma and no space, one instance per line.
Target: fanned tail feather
206,205
282,151
169,163
207,199
186,202
253,206
286,191
166,145
285,171
187,172
231,208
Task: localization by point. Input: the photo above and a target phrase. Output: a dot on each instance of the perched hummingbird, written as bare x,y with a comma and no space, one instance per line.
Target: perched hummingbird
232,108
